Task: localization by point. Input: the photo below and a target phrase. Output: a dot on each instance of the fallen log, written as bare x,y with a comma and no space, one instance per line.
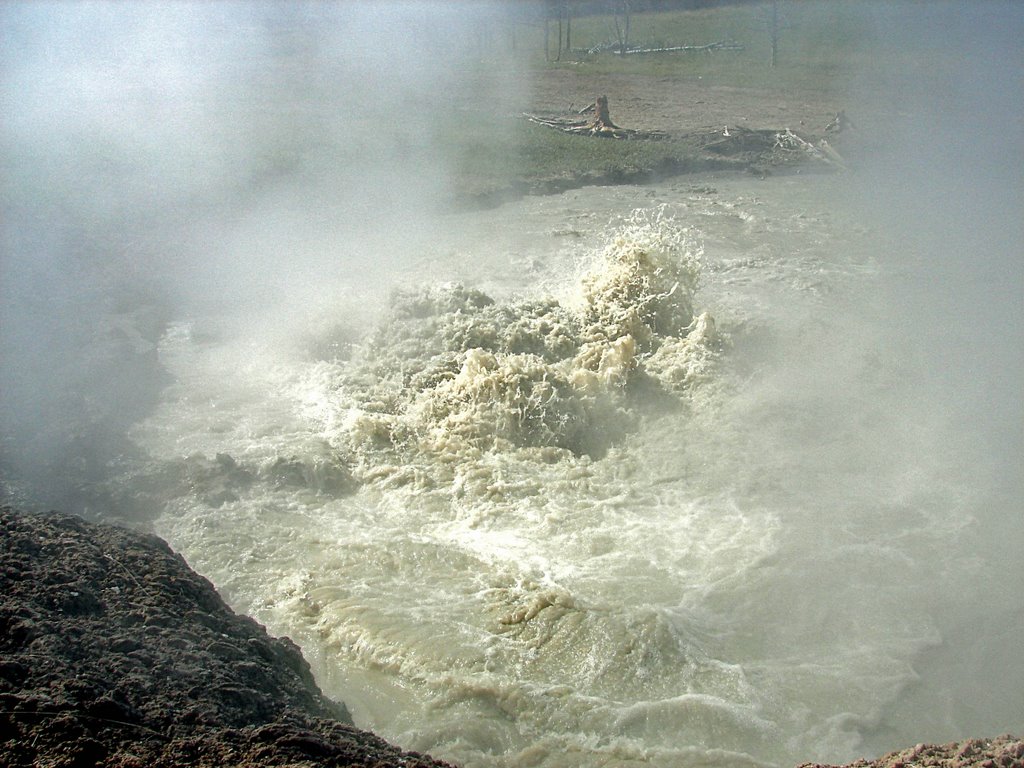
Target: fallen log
722,45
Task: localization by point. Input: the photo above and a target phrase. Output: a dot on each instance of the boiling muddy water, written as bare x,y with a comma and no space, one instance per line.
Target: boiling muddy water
719,471
586,486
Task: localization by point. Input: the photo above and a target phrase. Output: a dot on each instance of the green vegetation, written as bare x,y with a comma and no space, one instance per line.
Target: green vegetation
533,158
827,49
820,42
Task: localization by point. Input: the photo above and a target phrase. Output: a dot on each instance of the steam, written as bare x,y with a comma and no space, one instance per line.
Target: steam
254,161
946,189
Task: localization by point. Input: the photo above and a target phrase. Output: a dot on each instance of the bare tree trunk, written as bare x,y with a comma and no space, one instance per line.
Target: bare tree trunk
622,31
547,35
602,117
568,27
559,57
775,32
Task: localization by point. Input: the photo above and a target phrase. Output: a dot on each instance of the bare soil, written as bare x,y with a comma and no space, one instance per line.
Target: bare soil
677,106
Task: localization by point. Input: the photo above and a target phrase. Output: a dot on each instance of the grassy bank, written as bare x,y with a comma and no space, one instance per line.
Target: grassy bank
533,159
820,44
827,51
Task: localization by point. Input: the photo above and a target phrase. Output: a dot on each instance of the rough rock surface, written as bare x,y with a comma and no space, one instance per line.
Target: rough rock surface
1001,752
113,652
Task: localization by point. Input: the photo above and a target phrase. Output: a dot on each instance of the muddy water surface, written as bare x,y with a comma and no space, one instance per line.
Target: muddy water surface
548,518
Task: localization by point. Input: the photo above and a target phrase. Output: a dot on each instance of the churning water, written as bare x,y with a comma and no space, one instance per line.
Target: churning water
664,476
719,471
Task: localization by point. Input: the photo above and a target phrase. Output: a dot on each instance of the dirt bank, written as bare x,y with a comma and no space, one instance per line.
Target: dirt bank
682,105
673,126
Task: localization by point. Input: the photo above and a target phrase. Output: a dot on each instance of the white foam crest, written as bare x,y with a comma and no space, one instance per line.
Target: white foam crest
593,731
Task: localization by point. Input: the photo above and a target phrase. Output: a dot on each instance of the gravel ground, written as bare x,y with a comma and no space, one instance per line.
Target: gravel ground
1001,752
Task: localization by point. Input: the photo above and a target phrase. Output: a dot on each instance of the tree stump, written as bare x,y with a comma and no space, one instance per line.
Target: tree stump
602,120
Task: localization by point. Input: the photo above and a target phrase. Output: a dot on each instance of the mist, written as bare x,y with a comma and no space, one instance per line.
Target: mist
949,191
266,170
946,192
252,161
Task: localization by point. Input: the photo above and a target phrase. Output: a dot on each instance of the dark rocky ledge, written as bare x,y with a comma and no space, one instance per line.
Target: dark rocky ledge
114,652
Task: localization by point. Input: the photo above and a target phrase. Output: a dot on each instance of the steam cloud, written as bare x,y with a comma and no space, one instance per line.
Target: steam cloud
945,183
162,158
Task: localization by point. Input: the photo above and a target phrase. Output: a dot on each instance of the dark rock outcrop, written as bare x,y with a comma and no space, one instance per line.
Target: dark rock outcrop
1001,752
114,652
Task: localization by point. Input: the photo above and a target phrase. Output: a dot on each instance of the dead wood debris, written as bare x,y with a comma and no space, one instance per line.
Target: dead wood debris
615,47
736,140
601,125
721,45
773,145
839,123
821,150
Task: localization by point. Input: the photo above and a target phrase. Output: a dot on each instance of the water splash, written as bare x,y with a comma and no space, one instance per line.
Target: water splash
452,375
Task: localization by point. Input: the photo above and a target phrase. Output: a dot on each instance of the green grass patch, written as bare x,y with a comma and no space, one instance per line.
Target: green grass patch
827,50
821,43
544,151
488,157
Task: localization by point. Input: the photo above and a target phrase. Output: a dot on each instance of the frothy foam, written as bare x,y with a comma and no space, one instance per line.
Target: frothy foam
560,528
451,375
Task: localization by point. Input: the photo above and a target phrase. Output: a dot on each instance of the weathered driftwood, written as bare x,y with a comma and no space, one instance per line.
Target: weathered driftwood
821,151
583,127
839,123
617,48
758,147
601,125
721,45
736,140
